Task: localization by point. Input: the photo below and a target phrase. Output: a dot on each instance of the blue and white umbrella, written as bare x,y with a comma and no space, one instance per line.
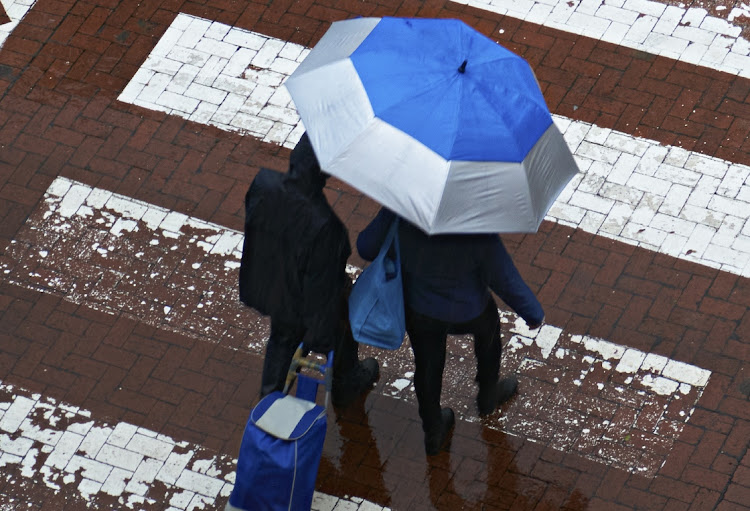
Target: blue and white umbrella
435,121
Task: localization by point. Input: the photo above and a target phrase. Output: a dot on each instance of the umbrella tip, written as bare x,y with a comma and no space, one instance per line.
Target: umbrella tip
462,67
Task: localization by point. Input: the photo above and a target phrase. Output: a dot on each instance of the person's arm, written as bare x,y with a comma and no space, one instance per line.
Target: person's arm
507,283
371,238
323,287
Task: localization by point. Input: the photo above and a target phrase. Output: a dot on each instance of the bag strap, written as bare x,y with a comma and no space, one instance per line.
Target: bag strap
391,235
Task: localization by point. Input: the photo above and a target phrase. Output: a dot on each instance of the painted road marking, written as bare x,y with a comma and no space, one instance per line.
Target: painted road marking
118,466
4,18
15,10
686,34
212,73
604,401
661,198
657,376
674,31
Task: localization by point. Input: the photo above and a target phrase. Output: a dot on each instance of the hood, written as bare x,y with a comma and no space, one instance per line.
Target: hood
304,170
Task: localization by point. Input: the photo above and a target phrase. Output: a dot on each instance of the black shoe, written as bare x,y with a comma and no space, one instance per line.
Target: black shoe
489,398
436,440
349,387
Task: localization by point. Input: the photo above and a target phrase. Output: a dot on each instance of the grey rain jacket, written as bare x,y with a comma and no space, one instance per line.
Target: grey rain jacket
295,250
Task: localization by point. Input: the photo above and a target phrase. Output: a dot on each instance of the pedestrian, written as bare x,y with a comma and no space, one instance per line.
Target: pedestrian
447,281
293,269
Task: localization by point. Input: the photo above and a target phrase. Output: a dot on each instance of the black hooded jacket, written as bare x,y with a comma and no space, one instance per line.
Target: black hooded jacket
295,250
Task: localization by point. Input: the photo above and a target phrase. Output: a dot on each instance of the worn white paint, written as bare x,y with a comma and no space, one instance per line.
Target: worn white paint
634,190
141,468
73,211
16,10
662,198
688,34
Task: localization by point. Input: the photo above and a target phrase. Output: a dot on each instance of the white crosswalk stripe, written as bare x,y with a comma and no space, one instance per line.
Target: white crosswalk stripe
16,10
676,202
209,256
688,34
663,198
140,468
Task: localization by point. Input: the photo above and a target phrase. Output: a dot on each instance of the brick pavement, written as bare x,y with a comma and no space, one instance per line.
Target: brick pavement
667,199
61,72
586,390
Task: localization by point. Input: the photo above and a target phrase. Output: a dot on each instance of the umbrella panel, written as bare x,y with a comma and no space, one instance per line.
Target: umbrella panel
410,70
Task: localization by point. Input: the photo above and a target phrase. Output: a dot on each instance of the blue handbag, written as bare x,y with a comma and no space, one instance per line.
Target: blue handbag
376,302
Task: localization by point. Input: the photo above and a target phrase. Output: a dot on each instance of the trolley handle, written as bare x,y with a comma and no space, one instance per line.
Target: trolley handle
299,360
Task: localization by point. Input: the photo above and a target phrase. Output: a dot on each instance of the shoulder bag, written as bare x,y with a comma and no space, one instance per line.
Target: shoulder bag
376,303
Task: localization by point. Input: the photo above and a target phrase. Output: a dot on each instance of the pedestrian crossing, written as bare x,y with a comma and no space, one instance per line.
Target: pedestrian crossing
634,190
179,273
664,198
11,13
113,466
688,34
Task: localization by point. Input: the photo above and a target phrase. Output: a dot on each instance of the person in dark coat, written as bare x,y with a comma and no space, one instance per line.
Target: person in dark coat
447,282
293,269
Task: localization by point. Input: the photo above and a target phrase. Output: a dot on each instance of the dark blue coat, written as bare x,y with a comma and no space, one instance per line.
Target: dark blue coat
449,277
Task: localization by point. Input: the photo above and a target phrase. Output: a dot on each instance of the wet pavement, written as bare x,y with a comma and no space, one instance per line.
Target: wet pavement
129,132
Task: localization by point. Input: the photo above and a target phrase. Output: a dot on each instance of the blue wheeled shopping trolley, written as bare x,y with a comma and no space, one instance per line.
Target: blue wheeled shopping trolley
283,442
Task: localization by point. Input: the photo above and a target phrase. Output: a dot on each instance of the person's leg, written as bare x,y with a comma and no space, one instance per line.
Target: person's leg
346,350
487,334
351,377
282,344
428,338
487,344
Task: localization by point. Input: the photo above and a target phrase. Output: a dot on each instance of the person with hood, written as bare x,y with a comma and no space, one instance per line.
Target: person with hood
293,269
447,281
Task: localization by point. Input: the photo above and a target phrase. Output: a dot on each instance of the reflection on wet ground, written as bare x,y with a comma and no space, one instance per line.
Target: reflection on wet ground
484,468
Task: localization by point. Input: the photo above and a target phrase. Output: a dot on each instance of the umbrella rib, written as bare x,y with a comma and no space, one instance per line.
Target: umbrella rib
453,157
428,87
456,110
442,196
493,100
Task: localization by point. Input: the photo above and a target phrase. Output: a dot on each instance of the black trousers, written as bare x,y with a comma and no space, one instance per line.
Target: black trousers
284,341
428,338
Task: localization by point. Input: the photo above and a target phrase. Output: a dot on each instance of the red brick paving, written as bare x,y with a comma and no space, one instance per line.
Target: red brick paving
60,72
4,18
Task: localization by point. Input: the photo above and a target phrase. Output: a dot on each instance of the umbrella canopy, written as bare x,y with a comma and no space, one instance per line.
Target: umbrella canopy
435,121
